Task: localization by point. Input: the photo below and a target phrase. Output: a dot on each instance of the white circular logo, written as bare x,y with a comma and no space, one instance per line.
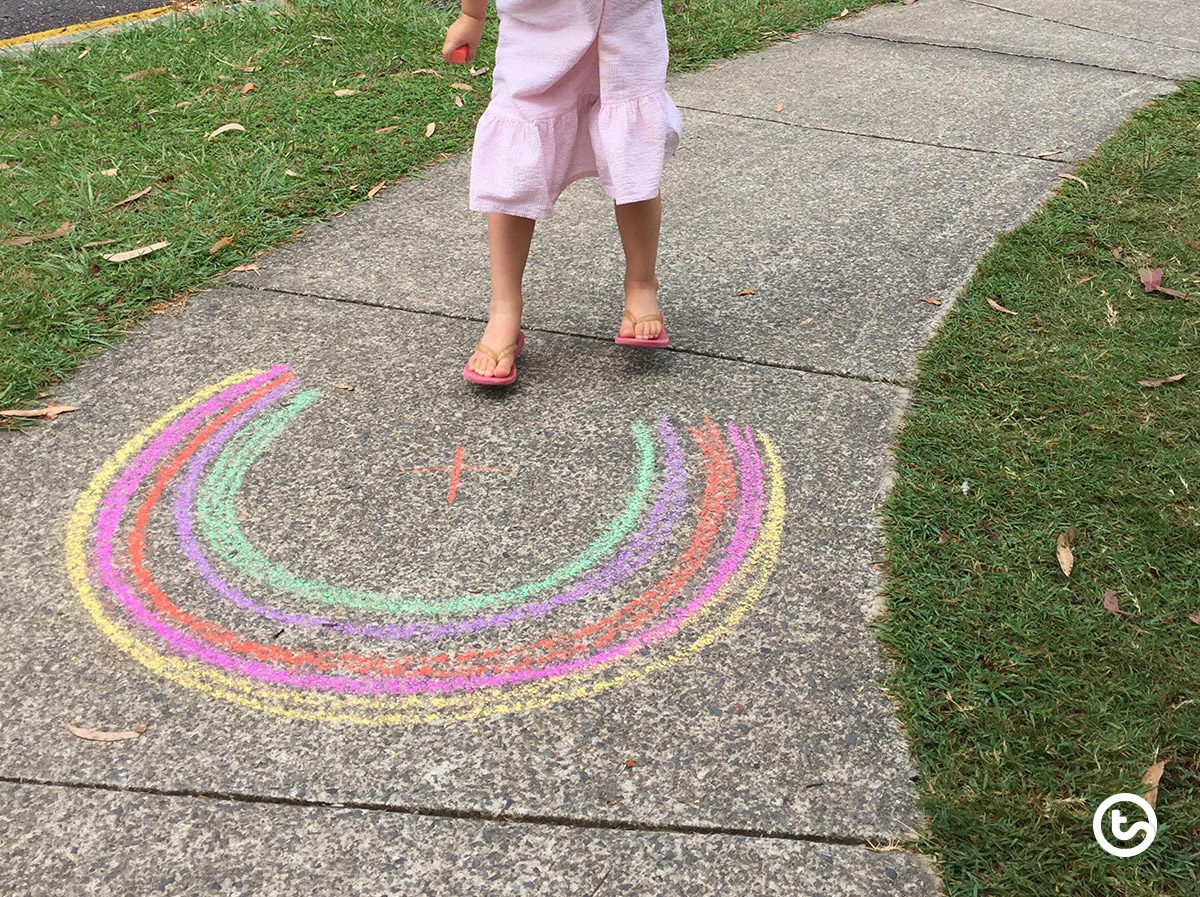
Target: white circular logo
1120,828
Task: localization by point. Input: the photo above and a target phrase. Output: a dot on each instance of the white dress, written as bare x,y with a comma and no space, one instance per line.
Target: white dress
579,90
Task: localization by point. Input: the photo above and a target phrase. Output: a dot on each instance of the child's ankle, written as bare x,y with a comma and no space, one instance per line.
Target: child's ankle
641,283
505,308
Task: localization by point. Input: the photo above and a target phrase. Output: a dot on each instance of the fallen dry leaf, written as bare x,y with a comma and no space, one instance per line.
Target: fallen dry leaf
996,305
1048,153
1066,558
61,231
290,173
931,300
1194,616
475,73
429,128
249,86
232,126
1151,279
131,254
97,735
241,68
457,100
841,15
371,193
346,92
96,243
462,86
1074,177
183,105
1191,243
425,72
386,130
346,386
1152,777
251,266
1175,293
4,166
748,291
1154,384
50,412
142,75
219,245
630,763
323,37
109,172
1112,603
133,197
1118,252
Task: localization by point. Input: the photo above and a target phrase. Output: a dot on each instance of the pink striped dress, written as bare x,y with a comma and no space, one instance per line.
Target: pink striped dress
579,90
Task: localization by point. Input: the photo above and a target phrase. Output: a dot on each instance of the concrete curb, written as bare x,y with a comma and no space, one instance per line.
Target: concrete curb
73,34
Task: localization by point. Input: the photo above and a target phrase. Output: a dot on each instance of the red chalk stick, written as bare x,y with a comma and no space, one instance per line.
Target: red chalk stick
459,54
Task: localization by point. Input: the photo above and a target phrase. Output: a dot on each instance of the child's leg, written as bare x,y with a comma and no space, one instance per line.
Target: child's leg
508,247
638,223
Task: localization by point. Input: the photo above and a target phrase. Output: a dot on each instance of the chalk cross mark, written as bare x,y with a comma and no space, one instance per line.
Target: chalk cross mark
455,470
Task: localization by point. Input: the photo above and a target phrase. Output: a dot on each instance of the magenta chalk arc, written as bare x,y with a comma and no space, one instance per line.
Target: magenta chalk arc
621,615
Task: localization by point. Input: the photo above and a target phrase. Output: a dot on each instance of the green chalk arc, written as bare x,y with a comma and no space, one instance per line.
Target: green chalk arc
217,519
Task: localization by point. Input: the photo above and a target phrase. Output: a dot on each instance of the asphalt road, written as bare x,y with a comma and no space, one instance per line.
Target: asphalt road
18,17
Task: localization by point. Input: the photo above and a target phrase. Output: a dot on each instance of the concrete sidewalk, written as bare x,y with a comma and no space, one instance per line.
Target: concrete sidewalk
632,594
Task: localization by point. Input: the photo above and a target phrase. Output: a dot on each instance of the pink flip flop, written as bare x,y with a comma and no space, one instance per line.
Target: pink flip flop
515,348
656,343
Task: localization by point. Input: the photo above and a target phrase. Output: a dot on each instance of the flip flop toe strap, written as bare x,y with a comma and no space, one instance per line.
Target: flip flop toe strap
641,319
494,355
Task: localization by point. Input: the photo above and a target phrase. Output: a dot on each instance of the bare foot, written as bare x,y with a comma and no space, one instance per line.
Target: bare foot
504,322
641,299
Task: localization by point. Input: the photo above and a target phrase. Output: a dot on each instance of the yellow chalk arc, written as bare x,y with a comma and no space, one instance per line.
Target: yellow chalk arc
755,572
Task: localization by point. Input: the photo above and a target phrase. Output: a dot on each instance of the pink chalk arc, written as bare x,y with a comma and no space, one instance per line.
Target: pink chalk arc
458,679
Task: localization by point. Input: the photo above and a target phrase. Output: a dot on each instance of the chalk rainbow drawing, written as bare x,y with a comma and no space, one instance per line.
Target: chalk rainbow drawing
202,449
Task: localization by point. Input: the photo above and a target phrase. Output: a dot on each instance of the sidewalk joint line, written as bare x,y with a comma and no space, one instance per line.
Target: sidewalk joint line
805,369
1143,40
923,43
889,137
468,815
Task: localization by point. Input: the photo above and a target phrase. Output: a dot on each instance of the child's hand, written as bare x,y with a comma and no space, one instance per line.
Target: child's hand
465,30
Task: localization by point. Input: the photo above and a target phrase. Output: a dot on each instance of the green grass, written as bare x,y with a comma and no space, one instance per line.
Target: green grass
66,117
1026,701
